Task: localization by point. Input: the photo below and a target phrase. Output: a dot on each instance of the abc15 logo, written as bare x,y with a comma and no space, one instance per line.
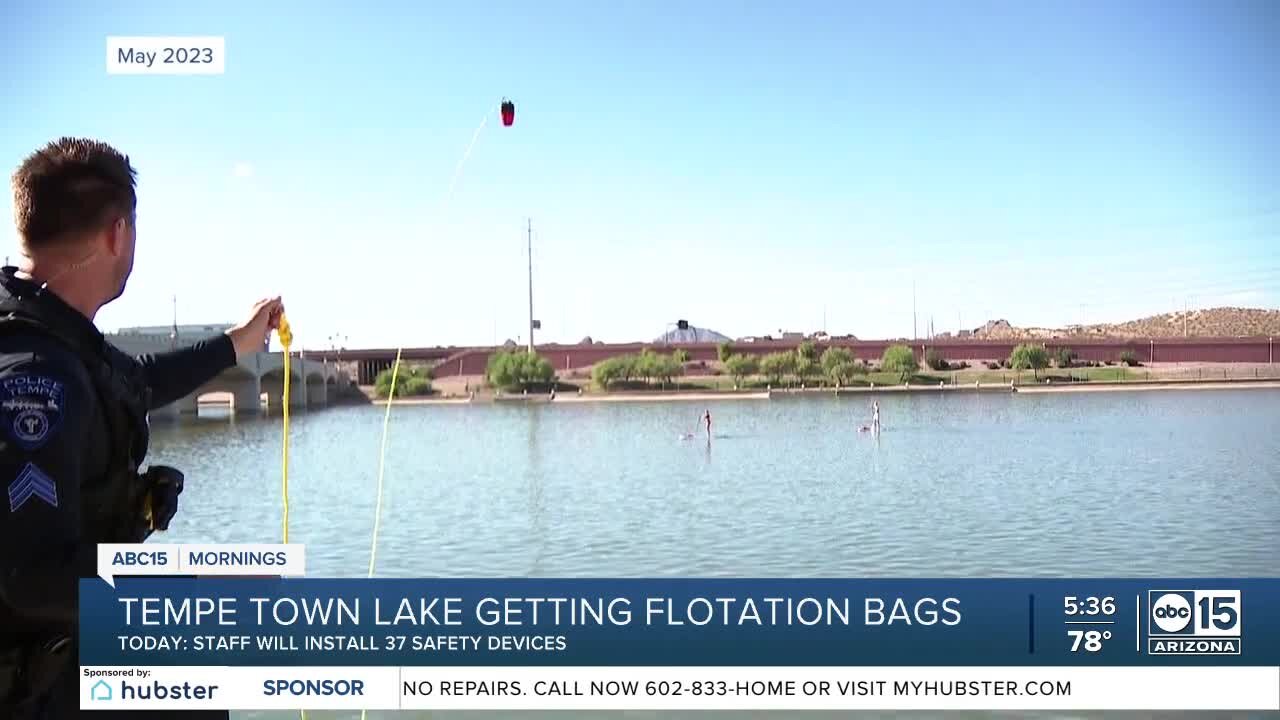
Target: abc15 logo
1194,613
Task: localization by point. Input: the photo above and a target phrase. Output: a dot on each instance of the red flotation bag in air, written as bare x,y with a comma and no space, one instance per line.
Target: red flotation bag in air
508,112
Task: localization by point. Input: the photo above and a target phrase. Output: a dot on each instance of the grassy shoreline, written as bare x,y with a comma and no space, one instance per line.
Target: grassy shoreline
1135,386
709,394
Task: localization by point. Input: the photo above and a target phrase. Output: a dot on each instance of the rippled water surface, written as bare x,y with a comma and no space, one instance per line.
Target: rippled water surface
1082,484
1183,483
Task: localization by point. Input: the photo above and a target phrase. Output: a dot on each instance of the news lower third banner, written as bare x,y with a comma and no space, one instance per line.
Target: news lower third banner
264,643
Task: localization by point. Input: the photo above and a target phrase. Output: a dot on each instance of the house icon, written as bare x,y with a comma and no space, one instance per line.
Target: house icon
101,690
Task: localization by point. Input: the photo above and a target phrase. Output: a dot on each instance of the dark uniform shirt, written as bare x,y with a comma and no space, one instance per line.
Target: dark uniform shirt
55,450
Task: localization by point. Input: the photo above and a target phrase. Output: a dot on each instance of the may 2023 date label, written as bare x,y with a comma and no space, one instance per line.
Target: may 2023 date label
166,55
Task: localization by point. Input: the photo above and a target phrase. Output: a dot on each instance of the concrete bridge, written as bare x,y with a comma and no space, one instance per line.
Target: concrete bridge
368,362
254,380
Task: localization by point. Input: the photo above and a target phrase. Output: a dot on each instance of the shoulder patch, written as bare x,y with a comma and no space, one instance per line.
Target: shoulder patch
31,409
32,483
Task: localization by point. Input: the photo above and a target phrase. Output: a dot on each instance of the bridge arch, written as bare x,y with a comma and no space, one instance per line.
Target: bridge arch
272,382
276,374
316,388
241,384
261,376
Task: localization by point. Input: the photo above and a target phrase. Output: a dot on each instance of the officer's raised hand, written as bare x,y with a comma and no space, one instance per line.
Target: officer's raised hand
251,335
178,373
175,374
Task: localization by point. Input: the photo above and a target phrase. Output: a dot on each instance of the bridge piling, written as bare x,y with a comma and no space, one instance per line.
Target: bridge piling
246,398
317,392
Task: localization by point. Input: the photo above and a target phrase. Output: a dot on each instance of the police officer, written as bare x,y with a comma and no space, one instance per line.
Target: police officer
73,425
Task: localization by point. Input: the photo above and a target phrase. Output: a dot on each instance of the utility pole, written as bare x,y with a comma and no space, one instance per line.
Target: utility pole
173,335
915,334
1184,317
530,247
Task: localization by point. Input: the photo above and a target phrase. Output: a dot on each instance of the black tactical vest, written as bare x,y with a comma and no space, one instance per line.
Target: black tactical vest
110,504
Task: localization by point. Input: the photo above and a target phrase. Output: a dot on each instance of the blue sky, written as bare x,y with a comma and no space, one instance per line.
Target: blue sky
749,166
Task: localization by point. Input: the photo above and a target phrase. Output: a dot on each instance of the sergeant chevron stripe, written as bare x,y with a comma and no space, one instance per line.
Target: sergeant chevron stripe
32,482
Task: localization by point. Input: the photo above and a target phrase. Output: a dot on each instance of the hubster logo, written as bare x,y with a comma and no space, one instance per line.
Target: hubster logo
1194,622
101,691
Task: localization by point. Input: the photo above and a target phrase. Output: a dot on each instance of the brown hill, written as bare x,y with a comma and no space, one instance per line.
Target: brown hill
1213,322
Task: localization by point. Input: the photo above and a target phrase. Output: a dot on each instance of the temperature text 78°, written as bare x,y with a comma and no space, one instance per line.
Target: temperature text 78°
1090,639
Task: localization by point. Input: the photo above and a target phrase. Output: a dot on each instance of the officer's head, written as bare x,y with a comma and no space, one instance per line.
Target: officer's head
76,210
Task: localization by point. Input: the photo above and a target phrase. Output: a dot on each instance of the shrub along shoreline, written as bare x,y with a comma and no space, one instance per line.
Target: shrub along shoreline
805,367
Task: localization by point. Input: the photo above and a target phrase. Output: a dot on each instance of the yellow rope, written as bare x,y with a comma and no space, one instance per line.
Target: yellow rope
382,459
286,340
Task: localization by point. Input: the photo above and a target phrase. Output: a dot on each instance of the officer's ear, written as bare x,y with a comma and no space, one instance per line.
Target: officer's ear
119,236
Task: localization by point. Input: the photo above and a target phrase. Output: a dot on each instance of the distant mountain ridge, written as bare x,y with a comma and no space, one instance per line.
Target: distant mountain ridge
1212,322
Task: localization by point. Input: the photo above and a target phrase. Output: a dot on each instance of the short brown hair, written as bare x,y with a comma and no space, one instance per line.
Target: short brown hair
69,187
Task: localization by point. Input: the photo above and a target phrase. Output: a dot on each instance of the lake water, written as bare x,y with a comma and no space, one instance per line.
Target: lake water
1177,483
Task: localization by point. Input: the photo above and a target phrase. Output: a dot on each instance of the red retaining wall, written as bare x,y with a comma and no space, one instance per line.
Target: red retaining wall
472,361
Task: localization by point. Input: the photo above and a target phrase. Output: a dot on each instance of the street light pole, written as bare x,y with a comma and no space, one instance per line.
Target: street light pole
530,248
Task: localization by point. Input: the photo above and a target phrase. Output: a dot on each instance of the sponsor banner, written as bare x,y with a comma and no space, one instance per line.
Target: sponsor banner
308,622
682,688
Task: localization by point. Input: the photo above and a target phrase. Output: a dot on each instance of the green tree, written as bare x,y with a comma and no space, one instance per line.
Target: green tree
410,381
518,369
899,359
849,370
1130,358
500,370
1066,357
807,365
680,355
806,368
839,365
724,352
835,356
608,371
653,366
741,367
630,365
935,360
668,368
778,365
647,365
415,385
807,350
1029,355
538,369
